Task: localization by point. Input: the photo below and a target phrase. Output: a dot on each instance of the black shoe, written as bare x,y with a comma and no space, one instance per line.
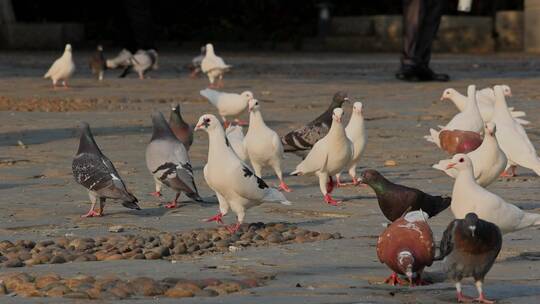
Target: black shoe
408,73
427,74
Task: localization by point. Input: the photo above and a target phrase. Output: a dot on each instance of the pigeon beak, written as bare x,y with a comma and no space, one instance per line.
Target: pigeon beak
198,127
450,166
442,98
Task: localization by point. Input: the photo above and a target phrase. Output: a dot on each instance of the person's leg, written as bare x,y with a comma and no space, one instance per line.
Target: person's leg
413,15
428,31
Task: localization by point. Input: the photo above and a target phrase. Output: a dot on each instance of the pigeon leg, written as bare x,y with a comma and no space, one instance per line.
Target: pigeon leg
100,77
394,280
101,210
277,169
284,187
481,297
418,281
233,228
241,122
172,204
64,83
157,193
218,218
330,185
91,212
507,173
339,184
329,200
461,298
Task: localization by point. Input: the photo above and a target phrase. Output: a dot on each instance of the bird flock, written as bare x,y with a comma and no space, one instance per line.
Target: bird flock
485,140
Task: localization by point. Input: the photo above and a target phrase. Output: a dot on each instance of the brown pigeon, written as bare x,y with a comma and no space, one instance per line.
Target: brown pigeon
395,200
182,130
469,247
406,247
457,141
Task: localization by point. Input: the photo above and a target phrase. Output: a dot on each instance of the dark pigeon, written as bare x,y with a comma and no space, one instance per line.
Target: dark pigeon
168,161
469,247
182,130
195,66
301,140
95,172
396,200
97,63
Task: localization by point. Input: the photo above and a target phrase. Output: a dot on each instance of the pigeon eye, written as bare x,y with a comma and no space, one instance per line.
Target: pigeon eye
461,160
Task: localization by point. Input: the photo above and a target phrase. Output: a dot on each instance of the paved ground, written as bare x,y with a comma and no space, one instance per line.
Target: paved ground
40,200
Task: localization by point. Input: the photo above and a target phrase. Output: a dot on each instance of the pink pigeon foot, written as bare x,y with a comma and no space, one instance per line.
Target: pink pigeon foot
233,228
330,201
507,173
218,218
92,213
394,280
156,194
461,298
482,299
284,187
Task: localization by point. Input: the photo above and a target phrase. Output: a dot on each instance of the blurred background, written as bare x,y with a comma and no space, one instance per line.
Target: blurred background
308,25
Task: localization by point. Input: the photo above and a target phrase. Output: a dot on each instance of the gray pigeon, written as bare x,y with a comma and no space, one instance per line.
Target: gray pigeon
301,140
95,172
168,161
142,62
98,63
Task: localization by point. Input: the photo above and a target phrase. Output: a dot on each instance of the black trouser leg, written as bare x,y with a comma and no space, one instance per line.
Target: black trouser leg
430,26
413,15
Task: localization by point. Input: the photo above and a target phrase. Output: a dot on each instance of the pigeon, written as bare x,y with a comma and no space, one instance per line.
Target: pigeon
468,120
62,68
486,103
214,67
96,172
356,132
406,246
468,196
195,65
396,200
457,141
328,157
262,145
235,184
182,130
301,140
235,139
469,247
488,160
97,63
228,104
142,62
168,161
512,138
122,60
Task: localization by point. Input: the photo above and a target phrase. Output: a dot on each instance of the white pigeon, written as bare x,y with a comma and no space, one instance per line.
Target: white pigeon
329,156
214,67
235,137
142,62
486,103
512,138
121,60
468,120
235,185
62,68
468,196
356,133
228,104
488,160
263,145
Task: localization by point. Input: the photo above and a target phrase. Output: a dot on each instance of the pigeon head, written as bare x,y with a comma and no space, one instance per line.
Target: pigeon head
506,90
338,99
68,48
460,162
207,122
160,127
87,144
490,129
209,49
203,50
247,96
176,116
449,94
253,105
405,262
337,115
499,95
358,108
370,176
471,222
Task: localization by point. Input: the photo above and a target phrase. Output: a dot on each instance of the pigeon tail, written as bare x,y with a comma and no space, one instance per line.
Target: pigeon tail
433,137
195,196
273,195
517,114
438,205
522,121
528,220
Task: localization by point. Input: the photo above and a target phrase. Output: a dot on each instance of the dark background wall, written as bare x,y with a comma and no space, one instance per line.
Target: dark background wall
202,20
